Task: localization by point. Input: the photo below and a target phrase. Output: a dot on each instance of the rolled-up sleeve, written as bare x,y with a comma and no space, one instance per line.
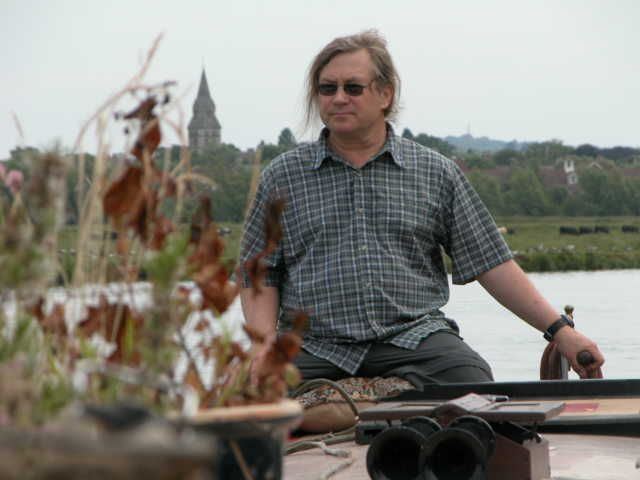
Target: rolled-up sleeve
473,241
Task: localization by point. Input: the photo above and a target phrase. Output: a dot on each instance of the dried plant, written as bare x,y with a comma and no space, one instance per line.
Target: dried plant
124,342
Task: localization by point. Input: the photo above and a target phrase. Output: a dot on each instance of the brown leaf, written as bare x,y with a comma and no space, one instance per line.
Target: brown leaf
272,365
256,269
142,215
161,228
122,244
131,205
201,220
150,136
286,347
112,322
272,225
54,323
238,352
209,248
143,112
125,194
300,322
217,291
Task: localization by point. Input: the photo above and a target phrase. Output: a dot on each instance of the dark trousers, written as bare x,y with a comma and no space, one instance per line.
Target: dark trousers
442,357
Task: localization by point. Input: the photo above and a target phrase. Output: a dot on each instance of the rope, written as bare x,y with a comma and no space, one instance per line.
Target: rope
325,382
345,435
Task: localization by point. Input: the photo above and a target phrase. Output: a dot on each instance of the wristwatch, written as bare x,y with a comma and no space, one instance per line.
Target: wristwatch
563,321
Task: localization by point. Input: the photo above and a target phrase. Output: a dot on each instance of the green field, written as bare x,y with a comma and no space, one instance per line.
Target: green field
539,246
536,241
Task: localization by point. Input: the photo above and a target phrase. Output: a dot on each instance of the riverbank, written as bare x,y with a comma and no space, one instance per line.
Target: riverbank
549,244
536,241
539,245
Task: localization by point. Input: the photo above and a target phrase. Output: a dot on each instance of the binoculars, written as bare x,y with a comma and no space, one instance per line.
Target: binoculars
419,448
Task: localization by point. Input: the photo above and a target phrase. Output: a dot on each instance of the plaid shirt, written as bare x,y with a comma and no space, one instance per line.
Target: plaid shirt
361,252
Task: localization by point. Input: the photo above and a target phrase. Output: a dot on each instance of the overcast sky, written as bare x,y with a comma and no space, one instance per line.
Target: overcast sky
525,70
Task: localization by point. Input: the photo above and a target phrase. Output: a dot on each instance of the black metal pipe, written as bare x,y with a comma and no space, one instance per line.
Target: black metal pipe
396,452
459,452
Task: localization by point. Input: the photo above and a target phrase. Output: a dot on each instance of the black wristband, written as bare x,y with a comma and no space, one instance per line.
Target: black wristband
563,321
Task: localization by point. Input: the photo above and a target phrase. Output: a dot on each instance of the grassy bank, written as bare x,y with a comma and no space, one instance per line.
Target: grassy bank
537,242
102,256
540,247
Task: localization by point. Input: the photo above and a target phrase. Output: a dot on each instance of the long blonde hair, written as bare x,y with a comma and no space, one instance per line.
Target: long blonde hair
384,71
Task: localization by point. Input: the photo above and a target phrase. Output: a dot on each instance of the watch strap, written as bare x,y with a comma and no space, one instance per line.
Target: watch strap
563,321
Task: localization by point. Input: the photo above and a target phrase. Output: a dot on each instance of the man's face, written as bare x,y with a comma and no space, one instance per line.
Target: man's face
351,115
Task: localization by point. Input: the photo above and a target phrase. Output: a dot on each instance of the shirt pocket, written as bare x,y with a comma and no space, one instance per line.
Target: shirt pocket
315,220
404,211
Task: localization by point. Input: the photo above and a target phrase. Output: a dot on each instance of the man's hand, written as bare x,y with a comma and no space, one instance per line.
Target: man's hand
509,285
571,343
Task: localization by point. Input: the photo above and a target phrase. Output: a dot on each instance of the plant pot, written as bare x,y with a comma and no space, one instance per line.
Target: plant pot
250,438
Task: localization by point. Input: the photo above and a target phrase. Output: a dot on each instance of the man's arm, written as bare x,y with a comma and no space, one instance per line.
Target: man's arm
261,309
510,286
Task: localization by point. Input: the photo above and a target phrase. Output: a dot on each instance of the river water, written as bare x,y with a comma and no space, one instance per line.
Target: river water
607,309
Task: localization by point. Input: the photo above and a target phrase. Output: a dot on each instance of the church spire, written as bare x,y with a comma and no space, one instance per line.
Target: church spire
203,89
204,128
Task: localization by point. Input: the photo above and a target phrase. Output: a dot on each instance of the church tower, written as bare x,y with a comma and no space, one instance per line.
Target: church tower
204,127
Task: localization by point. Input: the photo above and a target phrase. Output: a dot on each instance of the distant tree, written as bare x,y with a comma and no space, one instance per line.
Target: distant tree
286,139
525,194
406,133
619,153
604,192
478,160
226,167
489,190
435,143
587,150
633,193
19,158
545,153
174,152
506,157
558,197
271,151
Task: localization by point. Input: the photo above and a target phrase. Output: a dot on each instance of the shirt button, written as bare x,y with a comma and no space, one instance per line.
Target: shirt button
360,210
363,247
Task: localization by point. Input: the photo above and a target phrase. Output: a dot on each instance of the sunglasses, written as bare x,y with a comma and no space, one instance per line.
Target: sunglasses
351,89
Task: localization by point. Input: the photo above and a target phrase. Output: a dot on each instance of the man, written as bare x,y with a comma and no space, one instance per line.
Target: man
367,215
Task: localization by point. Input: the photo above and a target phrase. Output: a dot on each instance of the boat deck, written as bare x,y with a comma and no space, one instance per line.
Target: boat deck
572,457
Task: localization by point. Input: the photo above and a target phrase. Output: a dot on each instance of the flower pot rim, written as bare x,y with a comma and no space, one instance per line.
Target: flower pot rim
282,409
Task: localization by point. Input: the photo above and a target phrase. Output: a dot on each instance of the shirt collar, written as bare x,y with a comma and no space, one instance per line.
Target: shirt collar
391,146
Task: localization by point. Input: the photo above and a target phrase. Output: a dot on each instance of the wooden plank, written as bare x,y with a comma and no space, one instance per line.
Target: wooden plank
591,457
589,407
313,464
515,411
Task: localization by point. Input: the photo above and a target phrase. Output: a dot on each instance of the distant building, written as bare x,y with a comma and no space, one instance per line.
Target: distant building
570,171
562,174
204,127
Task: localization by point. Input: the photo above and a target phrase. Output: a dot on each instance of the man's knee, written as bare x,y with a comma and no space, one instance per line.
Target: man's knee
464,374
311,367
